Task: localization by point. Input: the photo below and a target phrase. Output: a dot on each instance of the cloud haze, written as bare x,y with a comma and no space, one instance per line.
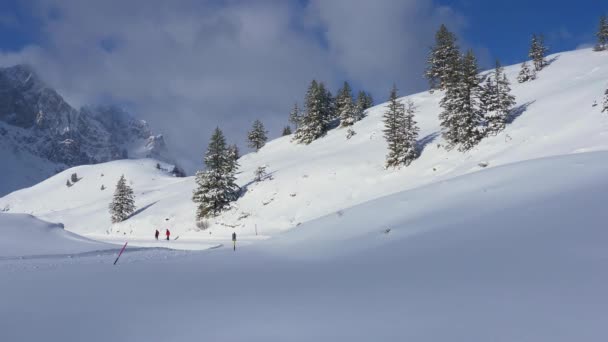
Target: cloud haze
189,66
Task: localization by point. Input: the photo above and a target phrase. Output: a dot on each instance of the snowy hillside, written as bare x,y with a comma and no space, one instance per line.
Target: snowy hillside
513,253
40,133
554,116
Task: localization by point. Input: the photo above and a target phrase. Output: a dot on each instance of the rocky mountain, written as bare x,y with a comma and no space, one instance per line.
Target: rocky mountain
41,134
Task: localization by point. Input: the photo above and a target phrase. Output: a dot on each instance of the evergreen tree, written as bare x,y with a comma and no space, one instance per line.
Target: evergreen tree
295,116
123,203
233,152
443,59
526,74
496,100
257,136
286,131
410,131
348,112
461,118
393,120
605,108
538,51
216,186
602,35
328,104
364,100
313,123
400,132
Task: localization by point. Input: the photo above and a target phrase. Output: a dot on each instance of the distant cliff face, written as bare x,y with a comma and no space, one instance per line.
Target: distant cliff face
36,123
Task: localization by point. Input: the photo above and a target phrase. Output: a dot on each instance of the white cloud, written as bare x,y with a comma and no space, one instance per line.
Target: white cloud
188,66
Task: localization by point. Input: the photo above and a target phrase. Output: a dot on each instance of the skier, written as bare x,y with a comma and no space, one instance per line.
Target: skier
156,234
168,234
234,241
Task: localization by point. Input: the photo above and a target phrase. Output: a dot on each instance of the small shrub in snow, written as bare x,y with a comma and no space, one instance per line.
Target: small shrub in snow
260,173
103,187
74,178
350,133
202,224
68,183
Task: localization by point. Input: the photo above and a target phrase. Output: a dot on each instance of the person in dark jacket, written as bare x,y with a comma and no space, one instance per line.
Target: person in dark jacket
234,241
168,234
156,234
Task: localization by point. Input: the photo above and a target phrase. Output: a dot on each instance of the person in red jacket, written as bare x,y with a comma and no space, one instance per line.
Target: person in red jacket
168,234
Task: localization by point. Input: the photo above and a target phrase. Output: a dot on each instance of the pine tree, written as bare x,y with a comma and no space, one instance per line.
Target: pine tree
526,74
313,123
328,104
393,119
295,116
233,151
123,203
410,134
538,51
257,136
400,132
233,155
364,100
496,100
602,35
215,187
461,118
348,112
605,108
286,131
443,59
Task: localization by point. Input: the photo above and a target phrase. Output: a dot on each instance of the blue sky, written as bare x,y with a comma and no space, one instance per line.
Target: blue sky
565,24
208,63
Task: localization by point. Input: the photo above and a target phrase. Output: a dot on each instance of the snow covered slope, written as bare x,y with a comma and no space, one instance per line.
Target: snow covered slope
24,236
512,253
554,116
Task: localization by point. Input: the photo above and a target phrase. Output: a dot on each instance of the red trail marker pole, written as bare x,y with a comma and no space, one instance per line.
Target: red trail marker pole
122,250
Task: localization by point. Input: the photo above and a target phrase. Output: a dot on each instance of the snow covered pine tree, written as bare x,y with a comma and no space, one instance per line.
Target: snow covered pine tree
538,51
602,35
123,202
526,74
496,100
605,109
364,100
400,132
295,116
461,118
443,59
314,123
348,112
215,187
257,136
286,131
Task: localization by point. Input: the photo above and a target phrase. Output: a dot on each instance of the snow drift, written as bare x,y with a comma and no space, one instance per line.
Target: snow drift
26,236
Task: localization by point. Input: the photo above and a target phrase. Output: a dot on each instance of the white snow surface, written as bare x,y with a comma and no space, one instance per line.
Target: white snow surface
24,236
444,250
513,253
